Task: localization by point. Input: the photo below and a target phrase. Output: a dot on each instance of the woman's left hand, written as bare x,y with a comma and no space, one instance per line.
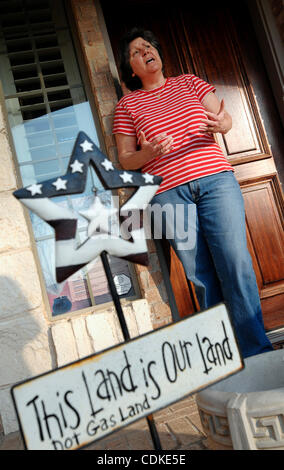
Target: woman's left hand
215,122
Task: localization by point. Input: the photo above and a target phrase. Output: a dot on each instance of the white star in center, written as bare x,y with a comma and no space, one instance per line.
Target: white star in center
98,215
86,146
126,177
77,167
60,184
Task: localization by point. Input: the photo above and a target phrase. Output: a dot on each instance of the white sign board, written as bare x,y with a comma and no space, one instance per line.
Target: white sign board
84,401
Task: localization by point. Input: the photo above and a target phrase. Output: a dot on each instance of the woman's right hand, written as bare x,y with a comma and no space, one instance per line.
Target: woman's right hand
160,145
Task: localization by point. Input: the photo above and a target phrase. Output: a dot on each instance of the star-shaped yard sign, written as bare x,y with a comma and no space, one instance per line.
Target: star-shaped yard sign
69,257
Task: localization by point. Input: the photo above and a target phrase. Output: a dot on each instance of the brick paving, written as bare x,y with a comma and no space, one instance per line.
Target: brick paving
178,425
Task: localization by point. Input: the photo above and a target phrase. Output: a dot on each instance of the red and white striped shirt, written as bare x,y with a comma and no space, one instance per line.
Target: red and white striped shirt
178,112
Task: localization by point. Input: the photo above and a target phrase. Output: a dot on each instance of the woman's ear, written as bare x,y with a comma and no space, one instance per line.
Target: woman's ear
133,75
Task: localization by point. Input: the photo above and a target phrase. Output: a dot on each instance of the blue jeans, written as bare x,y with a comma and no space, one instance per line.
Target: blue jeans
204,221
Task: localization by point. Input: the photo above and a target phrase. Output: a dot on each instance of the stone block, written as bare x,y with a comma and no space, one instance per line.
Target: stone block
103,330
100,65
106,93
162,291
162,312
130,322
2,119
103,80
64,343
100,331
107,109
14,233
143,316
144,280
112,153
7,411
83,341
24,349
159,323
19,284
7,170
153,295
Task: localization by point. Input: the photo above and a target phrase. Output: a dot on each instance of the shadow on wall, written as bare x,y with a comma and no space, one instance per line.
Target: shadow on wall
24,350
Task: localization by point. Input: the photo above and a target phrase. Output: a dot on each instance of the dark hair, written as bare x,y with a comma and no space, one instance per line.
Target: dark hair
134,83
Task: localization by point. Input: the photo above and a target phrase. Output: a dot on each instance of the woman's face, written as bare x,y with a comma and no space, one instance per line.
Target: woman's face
144,58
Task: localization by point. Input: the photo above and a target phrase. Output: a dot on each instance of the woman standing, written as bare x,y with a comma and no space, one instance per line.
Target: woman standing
165,127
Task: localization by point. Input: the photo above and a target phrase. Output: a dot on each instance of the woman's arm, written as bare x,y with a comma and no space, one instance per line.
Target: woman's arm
132,159
218,120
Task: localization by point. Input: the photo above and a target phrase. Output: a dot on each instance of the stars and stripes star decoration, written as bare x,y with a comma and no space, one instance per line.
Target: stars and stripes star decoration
69,257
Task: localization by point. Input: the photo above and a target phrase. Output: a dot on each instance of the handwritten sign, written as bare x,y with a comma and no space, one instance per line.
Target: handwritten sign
84,401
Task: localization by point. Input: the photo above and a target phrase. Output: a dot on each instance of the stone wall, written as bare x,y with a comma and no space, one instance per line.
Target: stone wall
30,343
24,341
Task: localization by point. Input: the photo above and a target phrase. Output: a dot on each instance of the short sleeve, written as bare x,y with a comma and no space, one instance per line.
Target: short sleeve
202,88
123,123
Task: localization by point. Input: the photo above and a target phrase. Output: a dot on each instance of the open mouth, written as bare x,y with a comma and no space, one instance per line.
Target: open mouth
150,60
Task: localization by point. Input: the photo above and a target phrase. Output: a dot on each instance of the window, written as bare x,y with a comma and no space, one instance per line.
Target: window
47,106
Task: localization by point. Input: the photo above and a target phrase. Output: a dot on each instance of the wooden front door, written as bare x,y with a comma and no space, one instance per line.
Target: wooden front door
216,42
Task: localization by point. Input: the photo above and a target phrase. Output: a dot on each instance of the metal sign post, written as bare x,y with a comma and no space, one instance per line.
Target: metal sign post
126,336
